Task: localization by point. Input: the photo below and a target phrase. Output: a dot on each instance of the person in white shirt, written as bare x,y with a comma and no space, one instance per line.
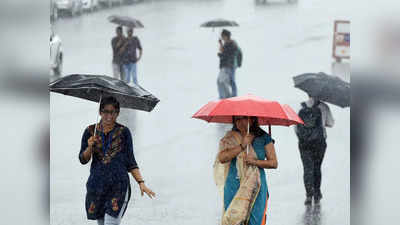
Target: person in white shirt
56,55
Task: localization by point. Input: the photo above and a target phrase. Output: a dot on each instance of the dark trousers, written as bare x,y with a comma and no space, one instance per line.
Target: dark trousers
312,155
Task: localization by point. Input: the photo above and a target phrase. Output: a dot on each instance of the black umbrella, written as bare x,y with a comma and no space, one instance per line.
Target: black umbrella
220,23
125,21
94,87
325,87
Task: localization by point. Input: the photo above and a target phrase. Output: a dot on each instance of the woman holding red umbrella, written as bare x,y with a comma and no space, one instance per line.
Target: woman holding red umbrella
244,153
243,173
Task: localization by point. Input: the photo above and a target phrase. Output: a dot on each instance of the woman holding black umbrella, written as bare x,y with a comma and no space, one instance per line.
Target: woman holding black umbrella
312,144
109,145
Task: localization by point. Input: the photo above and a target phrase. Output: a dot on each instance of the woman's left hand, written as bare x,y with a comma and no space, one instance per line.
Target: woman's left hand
144,189
250,160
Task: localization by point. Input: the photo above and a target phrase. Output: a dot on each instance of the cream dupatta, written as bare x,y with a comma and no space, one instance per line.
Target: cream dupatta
238,212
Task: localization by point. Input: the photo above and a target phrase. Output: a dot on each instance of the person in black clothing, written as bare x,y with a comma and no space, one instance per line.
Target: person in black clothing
116,44
108,145
130,58
227,55
312,144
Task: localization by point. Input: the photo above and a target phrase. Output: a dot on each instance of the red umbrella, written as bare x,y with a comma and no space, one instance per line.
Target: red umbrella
268,112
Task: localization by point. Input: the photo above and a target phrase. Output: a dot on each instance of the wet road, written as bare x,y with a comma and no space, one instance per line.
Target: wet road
180,66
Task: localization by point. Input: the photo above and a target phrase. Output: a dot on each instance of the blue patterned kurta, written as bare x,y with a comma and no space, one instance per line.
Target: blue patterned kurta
108,182
232,183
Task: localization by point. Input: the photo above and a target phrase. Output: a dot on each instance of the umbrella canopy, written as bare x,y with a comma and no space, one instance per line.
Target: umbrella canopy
268,112
325,87
125,21
220,23
94,87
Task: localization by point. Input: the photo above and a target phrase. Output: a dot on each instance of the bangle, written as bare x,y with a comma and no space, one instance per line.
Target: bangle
140,181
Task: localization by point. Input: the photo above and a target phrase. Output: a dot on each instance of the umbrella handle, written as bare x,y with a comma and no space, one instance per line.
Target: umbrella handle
269,130
248,132
97,119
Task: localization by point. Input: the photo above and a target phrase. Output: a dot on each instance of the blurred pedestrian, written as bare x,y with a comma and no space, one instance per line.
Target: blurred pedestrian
237,63
111,150
56,55
241,175
130,58
228,53
312,144
116,44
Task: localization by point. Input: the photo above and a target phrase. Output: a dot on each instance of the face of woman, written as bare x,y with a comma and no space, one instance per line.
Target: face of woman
242,123
224,38
108,115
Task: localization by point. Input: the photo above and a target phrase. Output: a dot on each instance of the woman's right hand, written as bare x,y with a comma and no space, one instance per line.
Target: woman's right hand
92,140
148,191
248,139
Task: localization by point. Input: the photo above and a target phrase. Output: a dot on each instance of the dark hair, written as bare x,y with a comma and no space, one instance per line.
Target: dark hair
119,28
255,128
110,100
226,33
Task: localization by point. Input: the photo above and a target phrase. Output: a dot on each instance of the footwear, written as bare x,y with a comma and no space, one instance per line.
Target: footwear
308,200
317,199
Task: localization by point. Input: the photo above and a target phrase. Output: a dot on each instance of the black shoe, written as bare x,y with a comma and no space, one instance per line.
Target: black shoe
308,201
317,199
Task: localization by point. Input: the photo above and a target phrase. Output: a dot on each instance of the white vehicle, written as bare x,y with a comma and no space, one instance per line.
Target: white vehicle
72,7
90,5
56,55
110,3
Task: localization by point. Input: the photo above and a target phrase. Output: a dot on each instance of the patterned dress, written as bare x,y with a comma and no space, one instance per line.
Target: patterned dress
108,182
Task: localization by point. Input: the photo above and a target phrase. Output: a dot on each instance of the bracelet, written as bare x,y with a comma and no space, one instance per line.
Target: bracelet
89,148
140,181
